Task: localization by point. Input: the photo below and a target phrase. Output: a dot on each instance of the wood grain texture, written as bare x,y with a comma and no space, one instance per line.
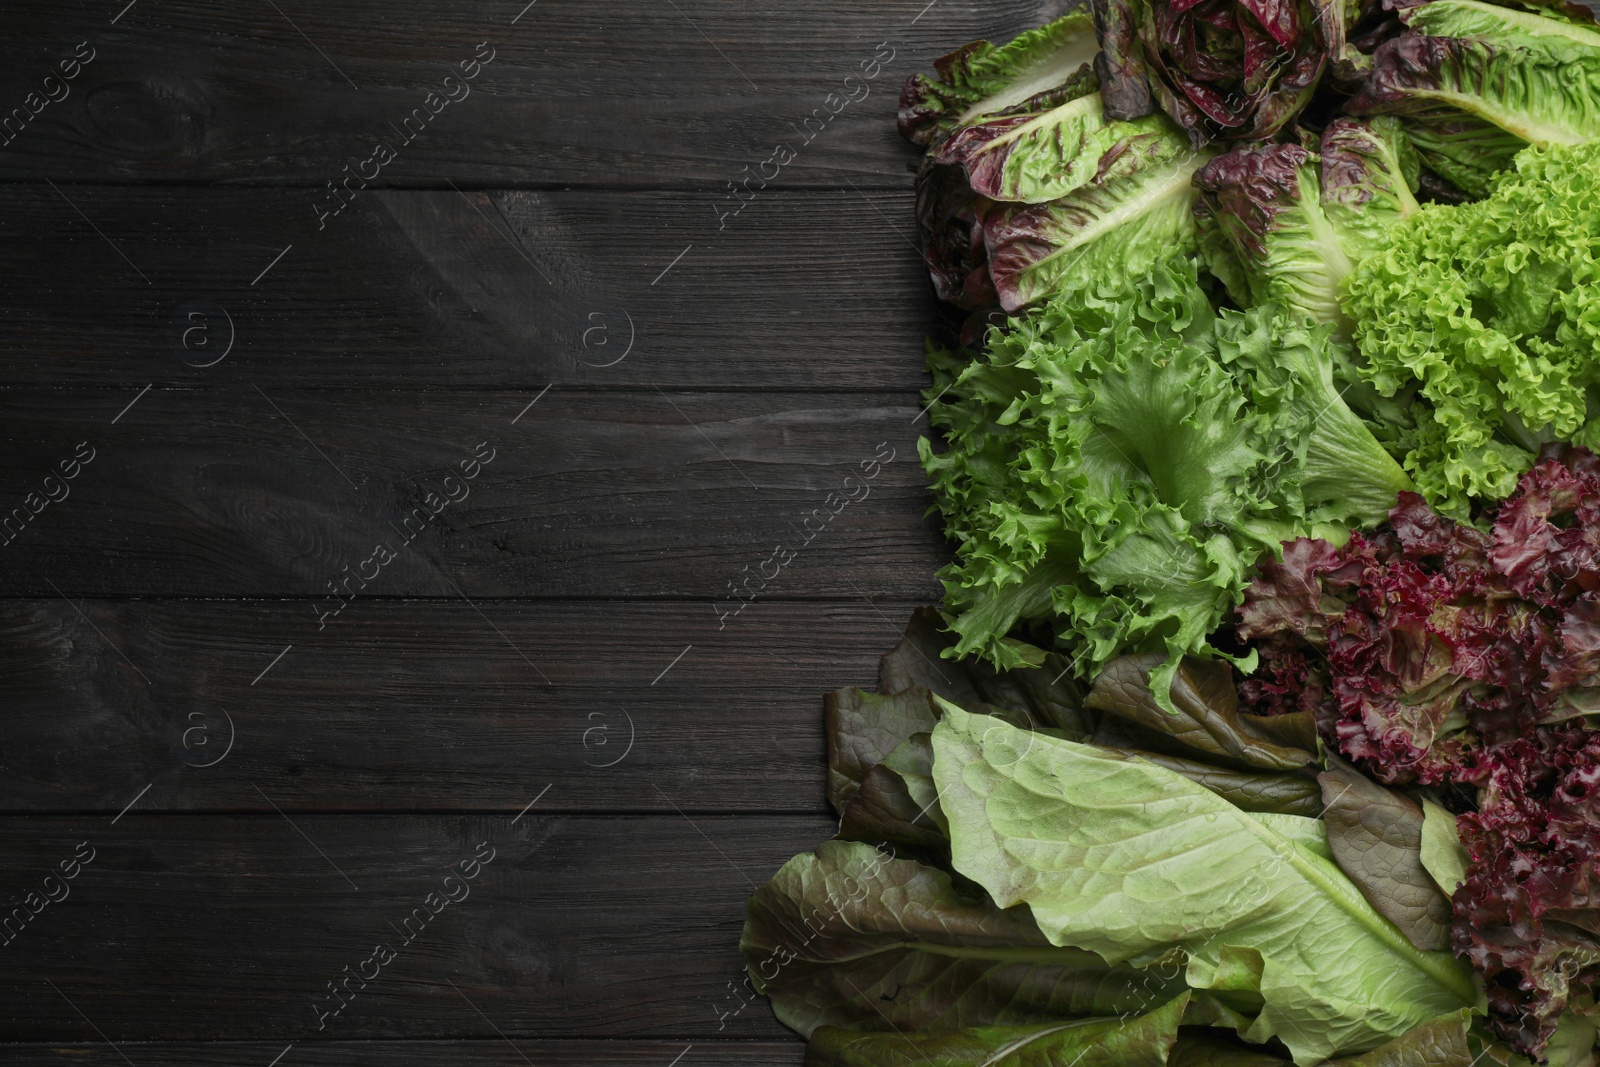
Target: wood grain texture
237,492
627,92
819,290
213,927
425,705
486,1052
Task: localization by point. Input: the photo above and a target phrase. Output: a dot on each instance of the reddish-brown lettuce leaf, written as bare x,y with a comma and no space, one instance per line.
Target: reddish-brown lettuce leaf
1222,69
1208,723
1376,837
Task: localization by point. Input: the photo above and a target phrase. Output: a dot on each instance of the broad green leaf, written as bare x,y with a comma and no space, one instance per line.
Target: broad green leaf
1439,1043
845,936
1143,1041
1130,860
1442,854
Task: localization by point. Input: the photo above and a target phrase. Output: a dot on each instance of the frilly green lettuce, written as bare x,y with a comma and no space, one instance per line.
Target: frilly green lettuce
1119,460
1493,310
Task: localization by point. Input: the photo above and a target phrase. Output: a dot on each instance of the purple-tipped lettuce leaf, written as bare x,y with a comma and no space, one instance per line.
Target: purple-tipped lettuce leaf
981,79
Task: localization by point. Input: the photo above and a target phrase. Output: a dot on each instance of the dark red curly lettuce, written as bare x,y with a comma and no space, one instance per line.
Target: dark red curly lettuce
1423,643
1528,915
1431,652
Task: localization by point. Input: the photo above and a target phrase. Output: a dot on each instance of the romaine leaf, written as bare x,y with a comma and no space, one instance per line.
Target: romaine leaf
950,219
1446,861
846,936
1477,82
1369,178
1376,838
1120,66
1205,717
1032,157
1129,860
1276,227
980,79
1502,22
1466,152
1141,1041
1134,211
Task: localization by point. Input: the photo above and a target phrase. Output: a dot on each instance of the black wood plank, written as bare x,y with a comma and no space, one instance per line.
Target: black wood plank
423,288
230,927
425,705
486,1052
238,492
627,92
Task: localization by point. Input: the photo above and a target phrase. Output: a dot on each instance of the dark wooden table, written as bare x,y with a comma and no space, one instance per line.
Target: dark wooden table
399,403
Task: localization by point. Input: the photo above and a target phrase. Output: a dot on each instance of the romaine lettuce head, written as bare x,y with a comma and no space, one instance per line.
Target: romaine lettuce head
1135,210
1279,225
1477,82
981,80
1222,69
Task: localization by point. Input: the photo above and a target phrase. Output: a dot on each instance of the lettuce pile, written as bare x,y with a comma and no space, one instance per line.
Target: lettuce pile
1027,874
1260,721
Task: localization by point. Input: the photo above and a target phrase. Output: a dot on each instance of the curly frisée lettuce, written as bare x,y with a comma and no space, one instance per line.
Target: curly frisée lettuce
1119,460
1492,310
